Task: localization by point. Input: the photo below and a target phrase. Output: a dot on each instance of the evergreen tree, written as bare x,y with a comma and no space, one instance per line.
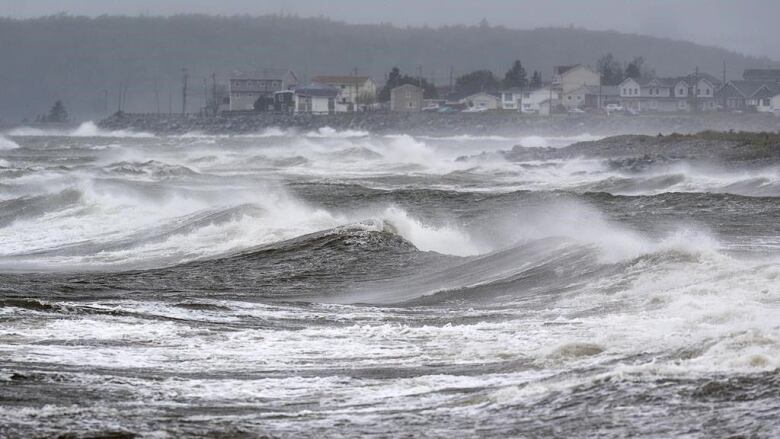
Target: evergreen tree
395,79
516,76
610,69
536,80
634,68
477,81
58,113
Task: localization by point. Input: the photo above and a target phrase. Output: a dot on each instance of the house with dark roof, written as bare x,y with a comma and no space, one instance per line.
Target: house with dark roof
683,93
762,98
246,89
761,75
315,99
747,95
354,91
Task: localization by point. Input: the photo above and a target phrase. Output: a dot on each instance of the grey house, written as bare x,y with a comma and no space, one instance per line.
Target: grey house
248,88
406,98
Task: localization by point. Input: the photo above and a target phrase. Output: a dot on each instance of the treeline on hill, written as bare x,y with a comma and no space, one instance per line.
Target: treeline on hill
88,63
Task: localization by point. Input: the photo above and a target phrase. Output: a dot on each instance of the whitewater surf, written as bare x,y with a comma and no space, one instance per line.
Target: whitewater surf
350,284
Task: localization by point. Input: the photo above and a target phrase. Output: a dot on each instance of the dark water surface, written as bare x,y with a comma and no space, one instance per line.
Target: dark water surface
343,284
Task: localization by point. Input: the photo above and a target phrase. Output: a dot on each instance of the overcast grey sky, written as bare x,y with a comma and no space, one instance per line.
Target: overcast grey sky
748,26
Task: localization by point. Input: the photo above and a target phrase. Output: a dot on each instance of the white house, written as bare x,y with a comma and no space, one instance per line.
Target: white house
774,103
315,99
533,99
482,100
354,91
761,99
511,98
668,94
569,78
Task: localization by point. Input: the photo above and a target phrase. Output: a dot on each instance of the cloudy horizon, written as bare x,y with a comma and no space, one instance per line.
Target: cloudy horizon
747,27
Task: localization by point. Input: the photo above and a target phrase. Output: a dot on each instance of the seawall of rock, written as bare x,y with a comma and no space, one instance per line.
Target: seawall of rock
447,124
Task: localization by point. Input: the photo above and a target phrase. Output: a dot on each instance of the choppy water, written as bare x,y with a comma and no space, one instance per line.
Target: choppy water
344,284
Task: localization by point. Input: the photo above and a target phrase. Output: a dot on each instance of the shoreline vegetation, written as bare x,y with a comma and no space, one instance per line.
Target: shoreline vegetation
489,123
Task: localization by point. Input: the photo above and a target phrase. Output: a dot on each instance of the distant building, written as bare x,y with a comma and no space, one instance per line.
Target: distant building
567,79
669,94
774,104
406,98
533,100
591,96
747,95
315,99
761,75
354,91
511,99
248,88
481,100
761,100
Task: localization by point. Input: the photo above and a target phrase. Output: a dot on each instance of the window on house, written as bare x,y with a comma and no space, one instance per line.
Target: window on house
698,92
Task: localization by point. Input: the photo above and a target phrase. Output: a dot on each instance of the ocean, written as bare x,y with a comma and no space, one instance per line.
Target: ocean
351,284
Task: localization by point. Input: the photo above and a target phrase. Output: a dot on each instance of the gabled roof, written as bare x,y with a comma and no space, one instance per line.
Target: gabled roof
691,78
406,86
513,90
314,89
562,70
336,79
643,82
767,91
673,81
264,74
746,88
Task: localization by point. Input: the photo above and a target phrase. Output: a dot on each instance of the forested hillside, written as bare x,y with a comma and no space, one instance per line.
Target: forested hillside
83,61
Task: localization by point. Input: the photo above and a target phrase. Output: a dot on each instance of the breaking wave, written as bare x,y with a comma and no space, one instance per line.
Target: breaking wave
86,129
7,144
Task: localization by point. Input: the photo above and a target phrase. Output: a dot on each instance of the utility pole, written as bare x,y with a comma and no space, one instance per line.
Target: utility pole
601,81
355,99
419,75
170,98
124,95
157,95
696,89
452,79
185,76
214,93
205,96
549,102
105,101
119,99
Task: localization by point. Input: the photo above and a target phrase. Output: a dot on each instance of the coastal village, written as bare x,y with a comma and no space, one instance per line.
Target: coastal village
573,89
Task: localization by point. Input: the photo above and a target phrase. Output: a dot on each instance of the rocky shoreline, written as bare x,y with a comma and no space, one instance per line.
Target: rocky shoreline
495,123
639,152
